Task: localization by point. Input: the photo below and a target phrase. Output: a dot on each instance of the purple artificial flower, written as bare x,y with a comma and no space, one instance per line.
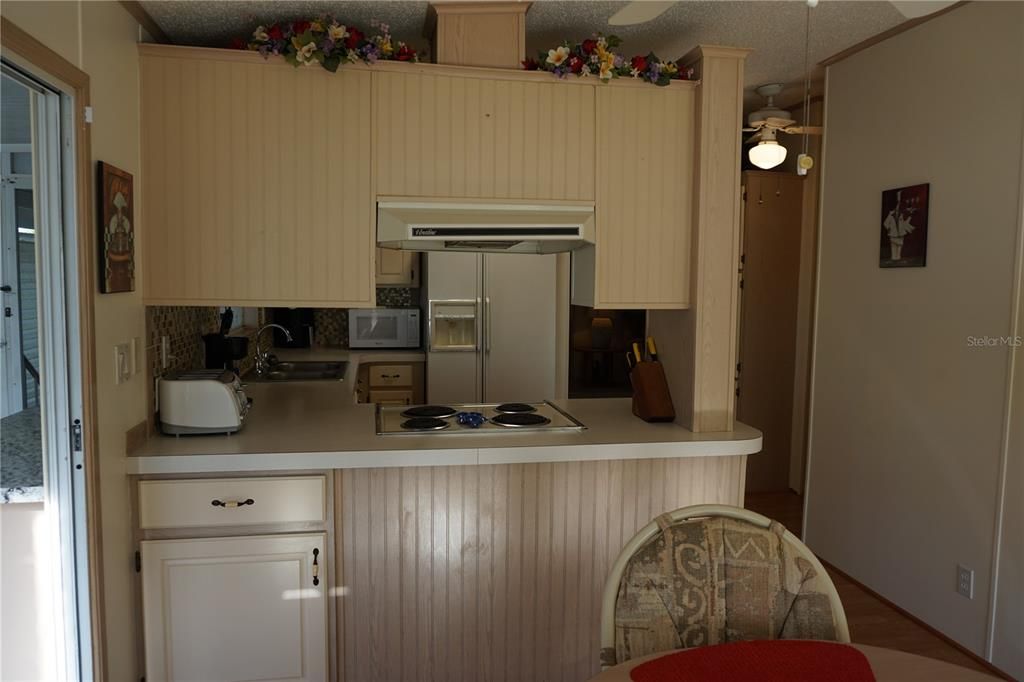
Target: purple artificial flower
265,51
369,53
618,61
327,45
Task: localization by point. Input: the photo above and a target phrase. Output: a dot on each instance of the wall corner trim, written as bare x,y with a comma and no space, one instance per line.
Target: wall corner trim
135,8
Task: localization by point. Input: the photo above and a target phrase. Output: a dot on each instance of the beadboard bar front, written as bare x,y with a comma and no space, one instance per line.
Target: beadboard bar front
495,572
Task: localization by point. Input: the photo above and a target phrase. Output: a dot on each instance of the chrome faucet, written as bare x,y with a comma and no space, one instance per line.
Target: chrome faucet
263,356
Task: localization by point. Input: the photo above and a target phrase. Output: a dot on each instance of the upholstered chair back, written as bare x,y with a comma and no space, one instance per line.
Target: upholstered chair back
712,574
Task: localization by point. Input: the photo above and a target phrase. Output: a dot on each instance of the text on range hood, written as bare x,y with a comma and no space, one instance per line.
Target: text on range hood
479,227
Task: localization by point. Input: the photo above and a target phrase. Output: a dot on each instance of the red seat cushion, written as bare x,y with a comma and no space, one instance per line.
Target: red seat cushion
759,661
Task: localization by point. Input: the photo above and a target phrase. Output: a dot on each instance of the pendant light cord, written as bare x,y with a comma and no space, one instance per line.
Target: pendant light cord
807,77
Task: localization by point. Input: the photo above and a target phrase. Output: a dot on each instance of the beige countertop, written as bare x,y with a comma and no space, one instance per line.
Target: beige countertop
317,425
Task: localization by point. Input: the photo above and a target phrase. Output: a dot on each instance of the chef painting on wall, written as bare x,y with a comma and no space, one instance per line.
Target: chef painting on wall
904,227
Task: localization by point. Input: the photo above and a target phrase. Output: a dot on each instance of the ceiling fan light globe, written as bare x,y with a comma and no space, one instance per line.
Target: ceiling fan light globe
767,154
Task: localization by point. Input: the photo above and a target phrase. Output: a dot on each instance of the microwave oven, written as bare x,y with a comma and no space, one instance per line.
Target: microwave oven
384,328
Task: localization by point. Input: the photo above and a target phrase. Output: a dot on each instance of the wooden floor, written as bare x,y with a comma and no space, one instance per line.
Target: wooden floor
871,620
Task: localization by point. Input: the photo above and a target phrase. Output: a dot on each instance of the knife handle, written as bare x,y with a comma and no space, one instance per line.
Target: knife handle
652,349
636,351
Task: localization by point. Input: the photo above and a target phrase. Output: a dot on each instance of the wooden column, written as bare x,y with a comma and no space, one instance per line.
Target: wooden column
698,346
480,33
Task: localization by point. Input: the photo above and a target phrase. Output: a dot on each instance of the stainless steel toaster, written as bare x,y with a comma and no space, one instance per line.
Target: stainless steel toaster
202,401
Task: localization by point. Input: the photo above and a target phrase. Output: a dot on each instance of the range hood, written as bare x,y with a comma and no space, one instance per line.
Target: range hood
481,227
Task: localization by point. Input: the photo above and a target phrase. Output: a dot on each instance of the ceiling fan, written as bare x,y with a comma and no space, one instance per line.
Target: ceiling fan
766,123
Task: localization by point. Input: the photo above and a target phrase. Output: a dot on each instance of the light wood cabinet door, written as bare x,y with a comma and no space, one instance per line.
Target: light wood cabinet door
398,268
464,136
257,183
645,148
236,609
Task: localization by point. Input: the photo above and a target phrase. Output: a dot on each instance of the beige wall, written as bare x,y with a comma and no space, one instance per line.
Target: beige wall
908,420
99,37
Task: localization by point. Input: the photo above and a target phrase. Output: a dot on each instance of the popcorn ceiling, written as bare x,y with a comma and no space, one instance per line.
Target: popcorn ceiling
774,29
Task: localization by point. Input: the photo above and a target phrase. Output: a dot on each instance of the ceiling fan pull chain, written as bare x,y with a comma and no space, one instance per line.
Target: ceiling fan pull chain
807,76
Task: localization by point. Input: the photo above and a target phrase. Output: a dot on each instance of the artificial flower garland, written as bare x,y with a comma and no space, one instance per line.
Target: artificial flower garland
326,42
596,57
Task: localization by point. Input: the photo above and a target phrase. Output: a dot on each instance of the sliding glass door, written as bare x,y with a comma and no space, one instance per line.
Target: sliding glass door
45,629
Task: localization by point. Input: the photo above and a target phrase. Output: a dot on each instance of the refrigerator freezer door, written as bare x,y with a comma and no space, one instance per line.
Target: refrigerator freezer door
453,378
454,327
519,327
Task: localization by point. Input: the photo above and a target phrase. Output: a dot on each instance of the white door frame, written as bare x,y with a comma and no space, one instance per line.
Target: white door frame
54,200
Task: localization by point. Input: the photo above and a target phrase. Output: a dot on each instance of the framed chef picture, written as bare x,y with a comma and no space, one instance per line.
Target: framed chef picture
904,236
116,230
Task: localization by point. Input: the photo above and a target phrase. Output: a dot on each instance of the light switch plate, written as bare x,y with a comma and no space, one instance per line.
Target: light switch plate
122,363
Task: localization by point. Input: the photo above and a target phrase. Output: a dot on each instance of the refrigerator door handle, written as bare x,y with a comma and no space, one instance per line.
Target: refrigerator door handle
487,324
479,325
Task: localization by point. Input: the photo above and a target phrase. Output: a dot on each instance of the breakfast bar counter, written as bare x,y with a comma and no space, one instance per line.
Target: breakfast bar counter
479,542
316,425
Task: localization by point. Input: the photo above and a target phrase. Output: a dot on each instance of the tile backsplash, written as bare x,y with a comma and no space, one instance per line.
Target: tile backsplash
332,323
397,297
184,327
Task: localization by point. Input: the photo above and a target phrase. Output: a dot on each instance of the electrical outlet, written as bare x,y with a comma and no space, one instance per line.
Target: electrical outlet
965,581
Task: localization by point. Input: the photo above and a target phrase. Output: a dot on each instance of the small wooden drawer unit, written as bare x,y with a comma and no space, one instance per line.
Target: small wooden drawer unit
390,375
401,396
197,503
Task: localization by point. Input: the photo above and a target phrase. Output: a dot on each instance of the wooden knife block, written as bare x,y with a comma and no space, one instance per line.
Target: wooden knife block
652,401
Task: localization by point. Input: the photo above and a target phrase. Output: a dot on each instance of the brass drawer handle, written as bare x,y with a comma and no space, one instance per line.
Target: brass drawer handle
231,504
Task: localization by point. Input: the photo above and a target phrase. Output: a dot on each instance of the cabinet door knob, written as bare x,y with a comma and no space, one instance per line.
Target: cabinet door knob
231,504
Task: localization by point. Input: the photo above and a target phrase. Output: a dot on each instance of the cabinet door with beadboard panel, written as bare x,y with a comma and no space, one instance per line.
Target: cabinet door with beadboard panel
645,164
442,135
258,184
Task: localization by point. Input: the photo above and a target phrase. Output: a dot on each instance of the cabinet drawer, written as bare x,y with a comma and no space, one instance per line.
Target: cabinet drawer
392,397
225,501
391,375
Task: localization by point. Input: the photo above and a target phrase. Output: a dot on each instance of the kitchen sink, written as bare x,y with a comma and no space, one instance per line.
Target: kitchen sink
300,371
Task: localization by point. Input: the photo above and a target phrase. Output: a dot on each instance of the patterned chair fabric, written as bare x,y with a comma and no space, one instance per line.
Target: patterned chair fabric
715,580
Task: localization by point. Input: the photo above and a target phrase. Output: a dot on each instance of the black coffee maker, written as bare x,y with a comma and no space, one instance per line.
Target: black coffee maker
222,351
298,321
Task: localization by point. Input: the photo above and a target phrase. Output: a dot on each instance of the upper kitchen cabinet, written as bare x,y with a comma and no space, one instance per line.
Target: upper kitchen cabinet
397,268
645,162
257,181
450,132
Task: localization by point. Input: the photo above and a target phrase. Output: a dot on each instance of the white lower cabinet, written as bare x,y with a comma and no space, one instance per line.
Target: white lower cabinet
236,608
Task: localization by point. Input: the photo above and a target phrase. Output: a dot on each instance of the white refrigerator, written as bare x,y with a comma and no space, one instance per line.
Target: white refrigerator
491,327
